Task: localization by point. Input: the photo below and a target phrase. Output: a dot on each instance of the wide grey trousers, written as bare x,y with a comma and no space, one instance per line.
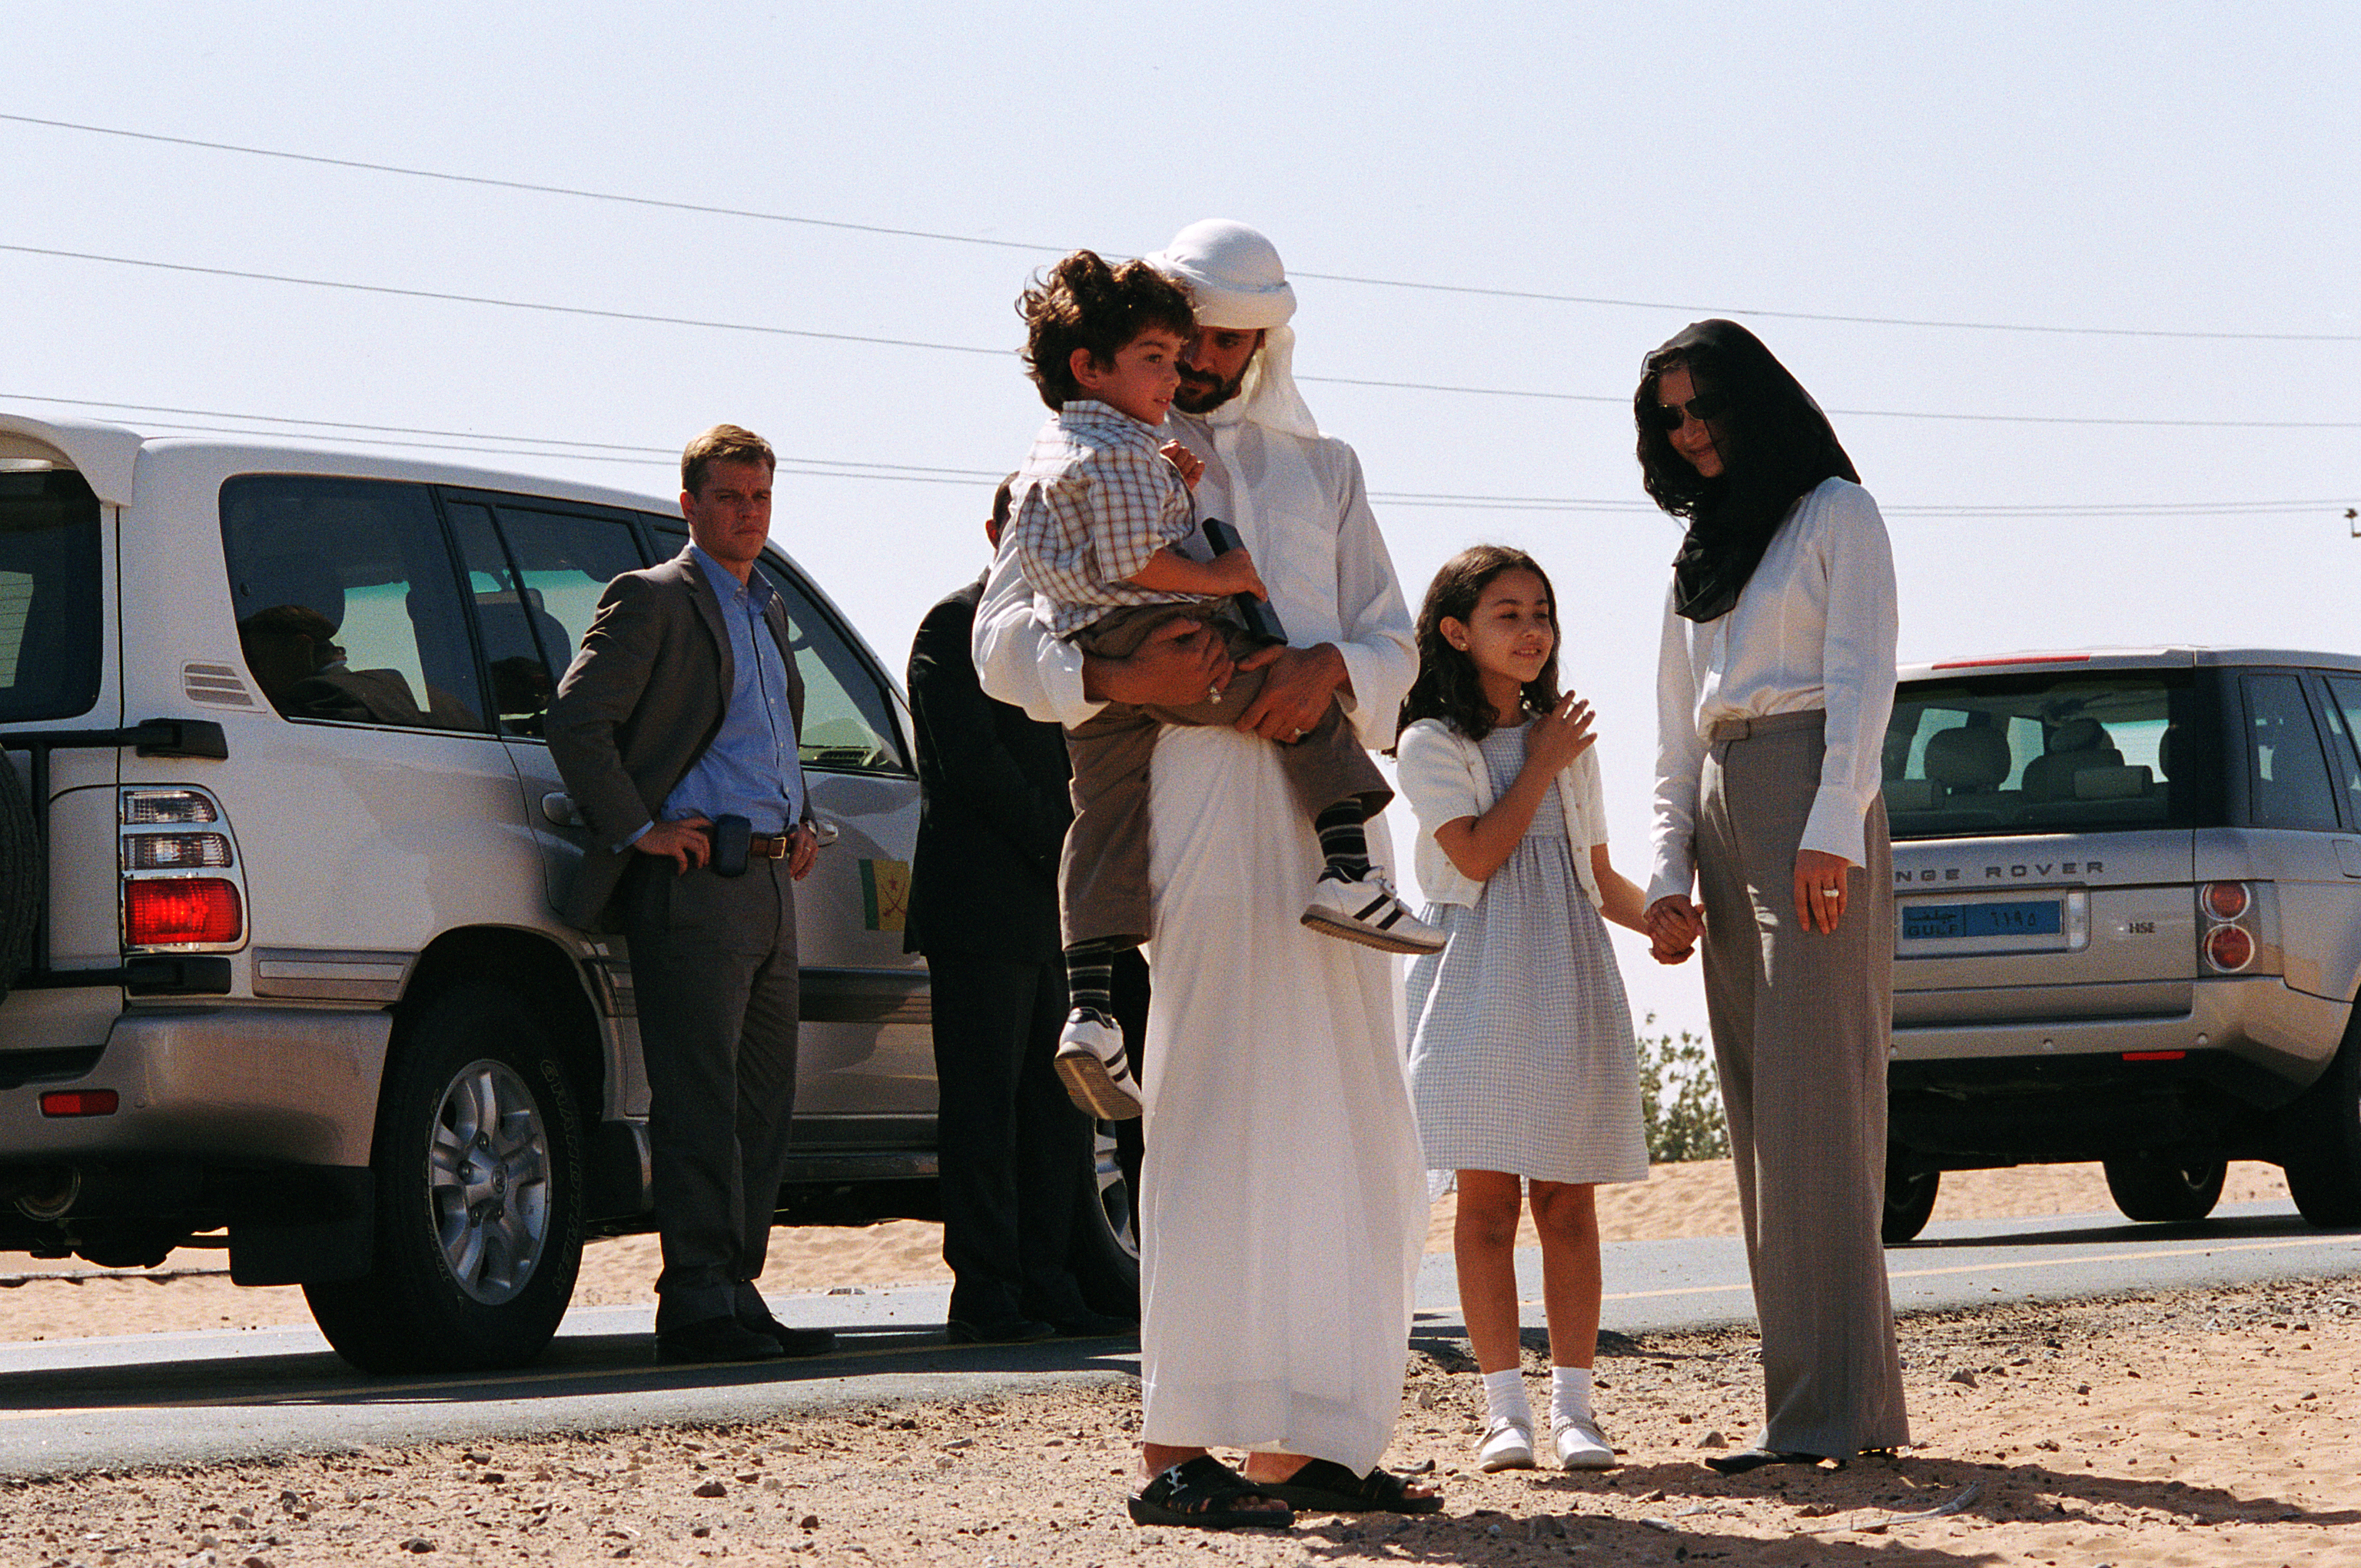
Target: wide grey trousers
1801,1023
713,967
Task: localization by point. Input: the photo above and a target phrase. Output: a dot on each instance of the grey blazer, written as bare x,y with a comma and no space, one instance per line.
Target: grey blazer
637,708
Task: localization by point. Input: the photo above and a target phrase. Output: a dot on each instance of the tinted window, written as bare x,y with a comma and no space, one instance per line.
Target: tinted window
51,611
2287,779
347,605
535,579
2047,753
848,716
2344,714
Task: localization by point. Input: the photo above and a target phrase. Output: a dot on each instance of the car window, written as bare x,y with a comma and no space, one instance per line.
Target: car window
50,612
2286,778
535,577
848,716
2342,711
347,605
2049,753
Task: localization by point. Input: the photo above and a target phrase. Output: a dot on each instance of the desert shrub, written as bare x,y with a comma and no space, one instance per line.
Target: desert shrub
1680,1098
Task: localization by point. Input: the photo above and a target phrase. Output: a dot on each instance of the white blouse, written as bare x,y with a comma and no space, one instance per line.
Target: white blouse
1815,627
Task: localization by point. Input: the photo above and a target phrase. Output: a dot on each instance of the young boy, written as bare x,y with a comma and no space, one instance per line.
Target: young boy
1099,508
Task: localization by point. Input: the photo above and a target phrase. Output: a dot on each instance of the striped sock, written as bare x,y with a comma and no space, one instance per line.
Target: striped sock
1089,980
1345,847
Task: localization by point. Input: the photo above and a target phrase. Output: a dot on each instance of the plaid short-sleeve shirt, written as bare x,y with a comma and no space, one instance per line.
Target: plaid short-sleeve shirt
1093,502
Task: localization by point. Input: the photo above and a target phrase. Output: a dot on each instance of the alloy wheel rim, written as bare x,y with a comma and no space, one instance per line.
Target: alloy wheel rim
488,1181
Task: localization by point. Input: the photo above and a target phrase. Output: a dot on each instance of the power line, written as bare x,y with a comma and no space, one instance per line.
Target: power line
581,193
827,467
386,289
651,318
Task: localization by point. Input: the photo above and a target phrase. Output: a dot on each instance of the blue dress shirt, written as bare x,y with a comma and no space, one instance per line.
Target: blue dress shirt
751,769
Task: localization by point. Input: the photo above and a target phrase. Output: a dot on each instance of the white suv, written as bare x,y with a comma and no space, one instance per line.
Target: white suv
280,962
2130,924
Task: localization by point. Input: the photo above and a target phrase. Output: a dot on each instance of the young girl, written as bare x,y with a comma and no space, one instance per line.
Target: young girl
1521,1061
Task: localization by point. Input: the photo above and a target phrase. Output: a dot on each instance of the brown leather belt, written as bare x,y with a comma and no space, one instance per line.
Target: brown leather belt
775,847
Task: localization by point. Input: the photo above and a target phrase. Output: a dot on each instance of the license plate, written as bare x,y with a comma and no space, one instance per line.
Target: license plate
1955,922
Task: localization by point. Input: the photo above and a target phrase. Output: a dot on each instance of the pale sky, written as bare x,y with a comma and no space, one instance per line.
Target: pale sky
2167,191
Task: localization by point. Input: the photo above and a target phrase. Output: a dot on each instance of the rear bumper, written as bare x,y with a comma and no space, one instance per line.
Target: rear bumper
244,1085
2063,1088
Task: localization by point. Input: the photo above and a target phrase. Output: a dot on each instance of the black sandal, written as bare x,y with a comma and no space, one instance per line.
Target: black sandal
1325,1486
1200,1493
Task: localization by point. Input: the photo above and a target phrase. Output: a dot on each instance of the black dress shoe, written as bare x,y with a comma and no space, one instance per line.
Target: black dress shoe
792,1342
1087,1324
1004,1330
715,1340
1738,1462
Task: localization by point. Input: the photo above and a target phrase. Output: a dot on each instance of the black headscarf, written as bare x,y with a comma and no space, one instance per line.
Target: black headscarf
1776,446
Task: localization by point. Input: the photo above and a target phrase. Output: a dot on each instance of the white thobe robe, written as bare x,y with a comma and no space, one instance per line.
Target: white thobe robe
1283,1205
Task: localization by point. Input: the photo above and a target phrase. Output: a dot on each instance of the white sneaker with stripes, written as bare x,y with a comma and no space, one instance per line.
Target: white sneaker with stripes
1095,1068
1368,912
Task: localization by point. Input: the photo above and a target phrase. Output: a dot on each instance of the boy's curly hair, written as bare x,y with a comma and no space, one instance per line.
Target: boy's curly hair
1447,686
1081,302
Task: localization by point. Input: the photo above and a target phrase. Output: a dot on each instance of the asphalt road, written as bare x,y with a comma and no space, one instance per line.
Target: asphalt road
158,1399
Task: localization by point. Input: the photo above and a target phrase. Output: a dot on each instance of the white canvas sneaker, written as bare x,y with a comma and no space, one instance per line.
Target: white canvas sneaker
1367,912
1507,1445
1095,1067
1581,1446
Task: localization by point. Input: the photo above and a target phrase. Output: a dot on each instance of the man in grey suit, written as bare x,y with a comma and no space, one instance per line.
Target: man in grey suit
675,730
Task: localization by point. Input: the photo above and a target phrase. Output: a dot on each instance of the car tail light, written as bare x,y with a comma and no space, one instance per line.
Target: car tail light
2227,900
181,911
174,851
2229,949
183,885
80,1102
148,807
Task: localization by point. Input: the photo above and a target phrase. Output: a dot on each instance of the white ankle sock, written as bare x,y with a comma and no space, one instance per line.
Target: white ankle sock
1569,1395
1504,1397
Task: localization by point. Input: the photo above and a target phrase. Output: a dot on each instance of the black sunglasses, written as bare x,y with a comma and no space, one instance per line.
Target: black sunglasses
1704,408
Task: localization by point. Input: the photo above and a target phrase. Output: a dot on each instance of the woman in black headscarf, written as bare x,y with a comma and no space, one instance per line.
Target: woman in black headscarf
1773,688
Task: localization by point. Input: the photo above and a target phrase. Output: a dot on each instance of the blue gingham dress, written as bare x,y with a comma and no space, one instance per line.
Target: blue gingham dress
1520,1037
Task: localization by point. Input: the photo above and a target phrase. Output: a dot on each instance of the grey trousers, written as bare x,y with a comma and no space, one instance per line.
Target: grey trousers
713,967
1801,1023
1103,893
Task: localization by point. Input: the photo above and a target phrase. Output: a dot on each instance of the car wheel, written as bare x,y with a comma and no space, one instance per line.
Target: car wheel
2159,1187
1909,1197
478,1221
21,875
2320,1141
1106,1236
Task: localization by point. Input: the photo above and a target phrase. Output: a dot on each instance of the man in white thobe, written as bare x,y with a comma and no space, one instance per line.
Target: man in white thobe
1283,1204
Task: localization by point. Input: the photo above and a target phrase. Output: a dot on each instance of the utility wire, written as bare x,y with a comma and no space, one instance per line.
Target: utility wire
502,304
485,443
581,193
645,317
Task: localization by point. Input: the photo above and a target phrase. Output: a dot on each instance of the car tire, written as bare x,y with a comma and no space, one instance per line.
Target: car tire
21,875
2319,1139
1910,1195
2159,1187
480,1182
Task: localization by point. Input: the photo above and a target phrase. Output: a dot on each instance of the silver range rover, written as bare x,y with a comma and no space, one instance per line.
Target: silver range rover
2129,927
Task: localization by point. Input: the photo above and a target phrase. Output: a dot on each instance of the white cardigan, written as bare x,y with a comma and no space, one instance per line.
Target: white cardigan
1442,774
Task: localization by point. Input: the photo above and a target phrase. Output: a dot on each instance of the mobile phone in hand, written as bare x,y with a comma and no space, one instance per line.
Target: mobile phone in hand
1260,618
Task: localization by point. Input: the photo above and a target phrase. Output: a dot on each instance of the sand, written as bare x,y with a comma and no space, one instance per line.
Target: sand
2197,1428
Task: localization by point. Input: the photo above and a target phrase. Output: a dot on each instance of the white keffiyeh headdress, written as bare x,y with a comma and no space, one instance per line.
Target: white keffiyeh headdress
1234,280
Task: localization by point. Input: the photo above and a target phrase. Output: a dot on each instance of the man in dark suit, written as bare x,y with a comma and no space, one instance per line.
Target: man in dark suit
984,908
679,715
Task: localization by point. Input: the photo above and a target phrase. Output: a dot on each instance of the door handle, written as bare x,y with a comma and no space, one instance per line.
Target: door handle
558,806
